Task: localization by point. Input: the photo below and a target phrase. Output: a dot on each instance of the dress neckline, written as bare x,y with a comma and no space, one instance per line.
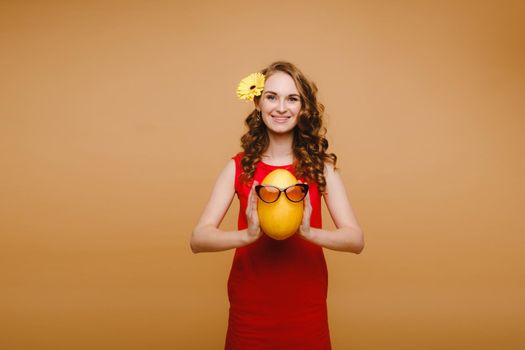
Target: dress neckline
278,166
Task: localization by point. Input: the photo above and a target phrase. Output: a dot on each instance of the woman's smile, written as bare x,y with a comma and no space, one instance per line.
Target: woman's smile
280,119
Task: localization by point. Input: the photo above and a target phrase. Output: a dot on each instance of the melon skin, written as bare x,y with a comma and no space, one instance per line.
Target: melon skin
281,219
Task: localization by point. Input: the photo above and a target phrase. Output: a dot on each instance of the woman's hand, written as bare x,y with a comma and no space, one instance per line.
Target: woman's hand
254,229
304,229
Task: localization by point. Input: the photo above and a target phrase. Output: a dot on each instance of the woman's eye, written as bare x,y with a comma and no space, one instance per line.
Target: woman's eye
294,99
270,97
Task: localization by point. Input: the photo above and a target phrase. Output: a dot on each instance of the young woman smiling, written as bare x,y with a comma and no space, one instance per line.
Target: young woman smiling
277,288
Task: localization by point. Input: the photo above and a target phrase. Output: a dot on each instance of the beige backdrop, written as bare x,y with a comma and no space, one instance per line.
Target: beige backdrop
117,116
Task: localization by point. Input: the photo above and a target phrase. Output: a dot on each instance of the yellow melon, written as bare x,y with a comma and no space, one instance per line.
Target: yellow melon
282,218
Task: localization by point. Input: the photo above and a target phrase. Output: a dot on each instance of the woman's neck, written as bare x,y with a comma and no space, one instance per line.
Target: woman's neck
279,151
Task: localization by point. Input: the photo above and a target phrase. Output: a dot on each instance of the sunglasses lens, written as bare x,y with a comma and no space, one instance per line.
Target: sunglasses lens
296,193
269,194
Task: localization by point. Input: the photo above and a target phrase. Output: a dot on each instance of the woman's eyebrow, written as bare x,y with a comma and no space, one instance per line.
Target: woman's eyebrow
275,93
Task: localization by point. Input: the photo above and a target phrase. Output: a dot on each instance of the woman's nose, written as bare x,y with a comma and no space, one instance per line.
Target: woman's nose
282,106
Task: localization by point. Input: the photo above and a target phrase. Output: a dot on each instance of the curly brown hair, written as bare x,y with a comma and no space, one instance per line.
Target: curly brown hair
309,143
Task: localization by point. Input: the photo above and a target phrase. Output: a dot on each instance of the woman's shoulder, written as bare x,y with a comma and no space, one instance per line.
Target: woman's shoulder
329,167
237,160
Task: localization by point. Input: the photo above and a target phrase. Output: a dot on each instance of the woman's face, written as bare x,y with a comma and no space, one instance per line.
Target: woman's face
280,103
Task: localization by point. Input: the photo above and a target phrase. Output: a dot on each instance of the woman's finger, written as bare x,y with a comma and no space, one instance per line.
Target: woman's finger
307,205
254,196
249,202
252,201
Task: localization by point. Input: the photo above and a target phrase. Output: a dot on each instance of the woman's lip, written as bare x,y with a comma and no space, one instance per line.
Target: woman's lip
280,120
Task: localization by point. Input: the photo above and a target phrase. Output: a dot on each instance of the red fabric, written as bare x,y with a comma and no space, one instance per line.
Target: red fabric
277,289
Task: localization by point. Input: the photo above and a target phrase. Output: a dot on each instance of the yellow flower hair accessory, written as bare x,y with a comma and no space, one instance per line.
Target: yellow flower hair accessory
251,86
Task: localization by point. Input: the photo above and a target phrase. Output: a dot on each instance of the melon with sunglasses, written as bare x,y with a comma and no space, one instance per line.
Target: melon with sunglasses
280,204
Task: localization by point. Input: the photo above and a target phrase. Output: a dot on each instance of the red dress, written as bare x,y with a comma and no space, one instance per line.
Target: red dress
277,289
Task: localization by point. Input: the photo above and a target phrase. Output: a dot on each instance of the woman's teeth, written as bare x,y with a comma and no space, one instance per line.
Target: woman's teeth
280,119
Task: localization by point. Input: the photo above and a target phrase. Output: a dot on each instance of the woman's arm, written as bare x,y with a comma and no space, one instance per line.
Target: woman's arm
206,236
348,236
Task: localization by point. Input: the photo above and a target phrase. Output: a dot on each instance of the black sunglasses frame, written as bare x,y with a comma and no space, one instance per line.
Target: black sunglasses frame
283,190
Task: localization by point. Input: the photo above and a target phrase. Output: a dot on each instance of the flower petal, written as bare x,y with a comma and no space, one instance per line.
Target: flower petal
251,86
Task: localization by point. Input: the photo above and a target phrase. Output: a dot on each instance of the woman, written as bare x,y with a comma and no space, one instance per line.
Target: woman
277,288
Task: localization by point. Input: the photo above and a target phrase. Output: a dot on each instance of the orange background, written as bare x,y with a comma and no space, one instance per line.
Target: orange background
116,118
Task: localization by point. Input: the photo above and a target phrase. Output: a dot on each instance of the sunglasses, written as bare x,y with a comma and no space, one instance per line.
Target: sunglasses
269,194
